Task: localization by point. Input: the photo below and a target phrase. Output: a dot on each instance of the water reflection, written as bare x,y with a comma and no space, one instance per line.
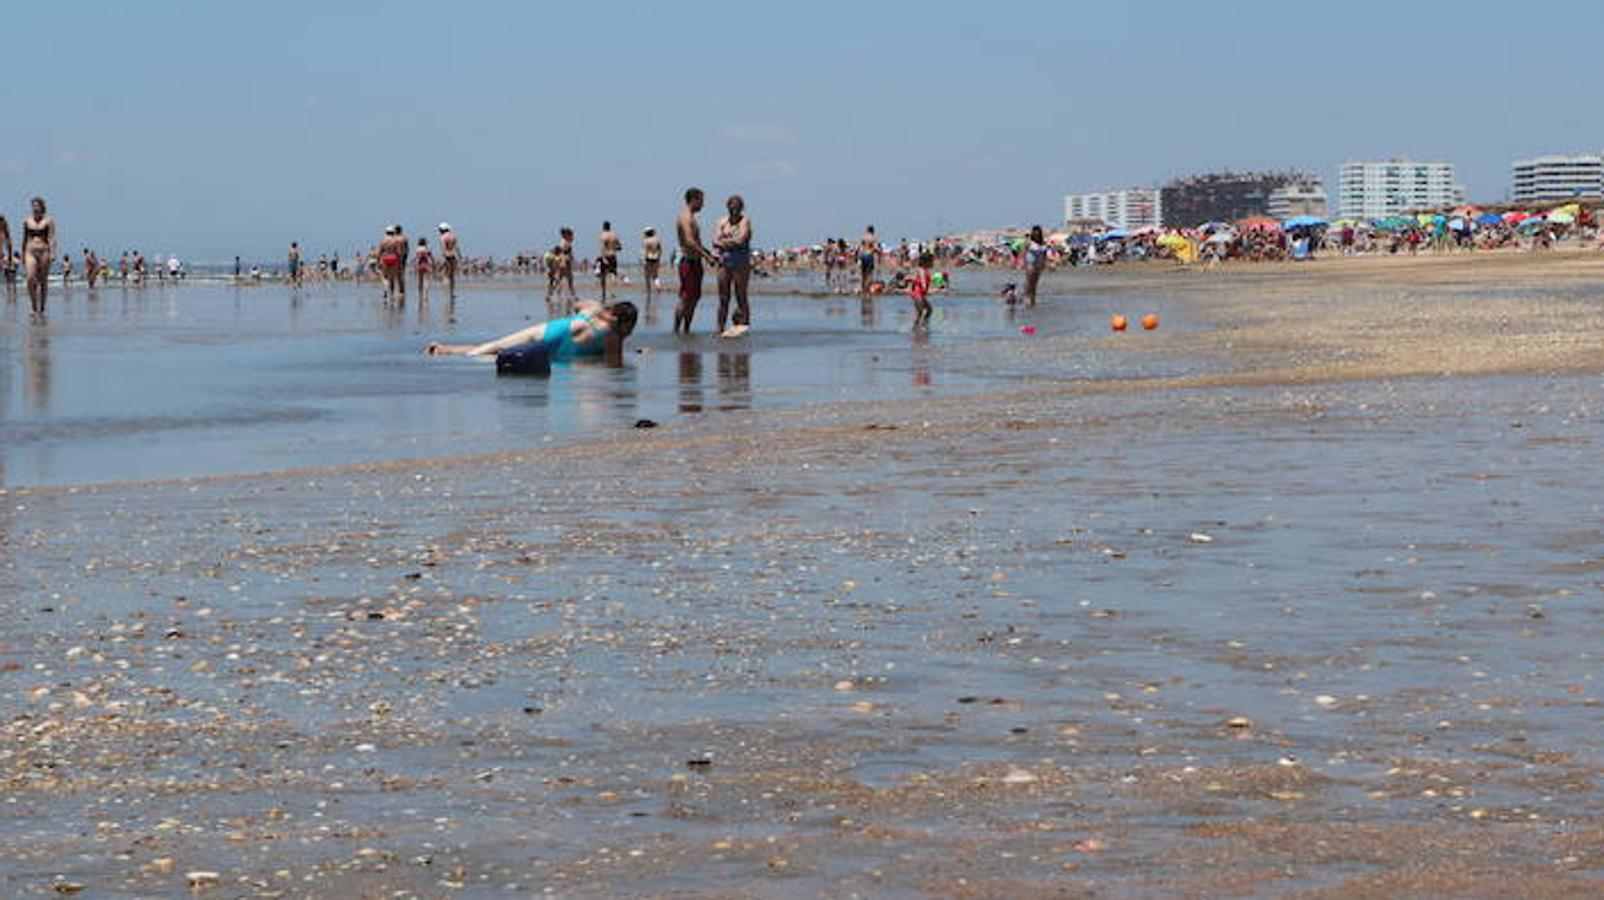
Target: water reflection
36,367
921,368
690,382
735,381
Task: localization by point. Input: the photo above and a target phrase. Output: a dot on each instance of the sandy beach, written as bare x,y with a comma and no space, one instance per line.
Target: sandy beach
1298,595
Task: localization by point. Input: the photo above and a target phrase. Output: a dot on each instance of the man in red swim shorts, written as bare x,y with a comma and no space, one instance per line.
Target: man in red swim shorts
691,255
393,263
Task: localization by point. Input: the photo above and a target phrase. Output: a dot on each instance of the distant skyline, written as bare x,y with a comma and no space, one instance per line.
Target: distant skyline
210,130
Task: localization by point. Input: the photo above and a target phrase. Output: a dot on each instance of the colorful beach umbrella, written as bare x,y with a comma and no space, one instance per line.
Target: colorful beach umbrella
1259,223
1304,222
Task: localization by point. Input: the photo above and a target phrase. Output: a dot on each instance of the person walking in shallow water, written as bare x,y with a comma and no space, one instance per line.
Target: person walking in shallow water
448,259
393,264
651,255
1035,263
38,251
424,265
868,255
607,265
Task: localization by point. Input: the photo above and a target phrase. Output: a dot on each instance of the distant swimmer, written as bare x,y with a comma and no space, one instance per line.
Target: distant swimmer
651,254
732,239
868,255
66,269
691,256
607,264
295,264
424,265
448,259
38,250
91,266
592,331
1035,262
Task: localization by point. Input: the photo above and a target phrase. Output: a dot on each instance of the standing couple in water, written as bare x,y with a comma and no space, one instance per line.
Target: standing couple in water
731,255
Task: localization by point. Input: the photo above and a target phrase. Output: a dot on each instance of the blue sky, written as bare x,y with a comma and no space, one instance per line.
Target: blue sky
215,128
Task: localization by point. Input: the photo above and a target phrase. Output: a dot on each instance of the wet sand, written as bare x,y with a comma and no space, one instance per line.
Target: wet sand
1314,609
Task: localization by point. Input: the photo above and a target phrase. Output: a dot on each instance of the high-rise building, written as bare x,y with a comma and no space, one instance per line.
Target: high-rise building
1374,190
1550,178
1224,196
1129,209
1304,198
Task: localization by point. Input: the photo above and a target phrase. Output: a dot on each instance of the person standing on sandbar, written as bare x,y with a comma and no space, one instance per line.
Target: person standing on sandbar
691,256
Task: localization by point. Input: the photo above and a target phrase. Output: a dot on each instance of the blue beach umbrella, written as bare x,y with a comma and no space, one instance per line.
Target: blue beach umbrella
1114,234
1304,222
1490,219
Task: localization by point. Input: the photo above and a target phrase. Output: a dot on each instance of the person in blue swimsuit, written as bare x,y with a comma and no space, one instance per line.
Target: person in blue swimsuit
732,242
595,331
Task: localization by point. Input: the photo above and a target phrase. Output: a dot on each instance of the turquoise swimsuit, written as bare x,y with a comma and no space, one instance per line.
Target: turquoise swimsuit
561,344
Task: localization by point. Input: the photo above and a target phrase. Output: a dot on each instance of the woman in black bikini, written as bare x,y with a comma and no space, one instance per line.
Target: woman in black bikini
38,250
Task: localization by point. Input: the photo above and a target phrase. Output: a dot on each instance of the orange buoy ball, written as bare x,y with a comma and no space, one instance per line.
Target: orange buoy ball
1150,321
1117,323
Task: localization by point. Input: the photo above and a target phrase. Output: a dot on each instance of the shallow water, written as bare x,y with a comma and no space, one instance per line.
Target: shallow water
1197,641
212,378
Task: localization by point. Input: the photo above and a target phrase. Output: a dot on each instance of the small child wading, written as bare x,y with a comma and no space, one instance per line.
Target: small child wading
919,290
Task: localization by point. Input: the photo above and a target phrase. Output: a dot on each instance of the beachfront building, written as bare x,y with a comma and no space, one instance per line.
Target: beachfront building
1304,198
1128,209
1224,196
1550,178
1375,190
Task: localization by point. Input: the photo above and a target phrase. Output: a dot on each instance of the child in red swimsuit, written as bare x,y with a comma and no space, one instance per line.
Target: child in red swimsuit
919,289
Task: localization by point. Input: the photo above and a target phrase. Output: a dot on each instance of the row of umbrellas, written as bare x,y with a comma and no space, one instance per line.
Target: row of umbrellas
1461,219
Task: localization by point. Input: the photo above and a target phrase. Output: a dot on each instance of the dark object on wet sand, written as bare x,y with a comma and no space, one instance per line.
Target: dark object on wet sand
645,423
528,359
699,765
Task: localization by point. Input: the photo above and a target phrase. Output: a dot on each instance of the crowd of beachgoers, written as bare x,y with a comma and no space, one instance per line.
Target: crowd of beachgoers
1255,239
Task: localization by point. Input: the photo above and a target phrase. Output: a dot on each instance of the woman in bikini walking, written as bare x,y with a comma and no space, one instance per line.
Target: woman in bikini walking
38,250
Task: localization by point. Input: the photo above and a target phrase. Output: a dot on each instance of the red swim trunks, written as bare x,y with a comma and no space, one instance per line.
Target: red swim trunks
690,281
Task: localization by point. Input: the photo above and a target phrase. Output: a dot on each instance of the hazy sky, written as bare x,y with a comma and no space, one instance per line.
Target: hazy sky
215,128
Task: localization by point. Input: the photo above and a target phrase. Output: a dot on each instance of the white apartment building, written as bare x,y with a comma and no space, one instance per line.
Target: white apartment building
1550,178
1374,190
1130,209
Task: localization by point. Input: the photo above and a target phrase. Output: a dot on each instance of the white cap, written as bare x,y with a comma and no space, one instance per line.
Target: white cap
444,227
